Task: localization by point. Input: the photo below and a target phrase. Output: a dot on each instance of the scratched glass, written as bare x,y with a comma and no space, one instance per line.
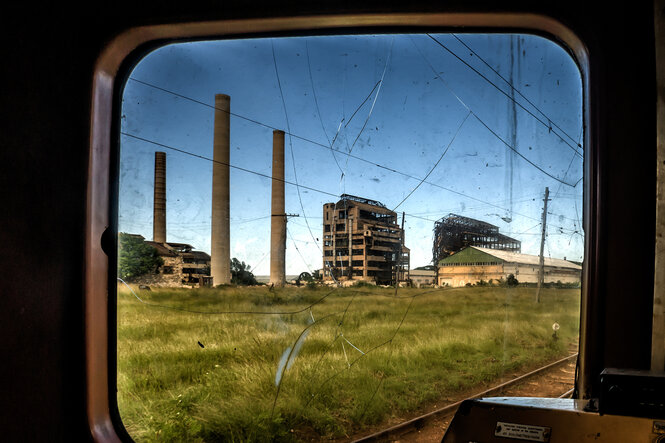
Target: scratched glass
433,244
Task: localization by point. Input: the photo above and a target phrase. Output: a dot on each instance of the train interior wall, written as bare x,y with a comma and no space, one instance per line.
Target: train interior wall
49,53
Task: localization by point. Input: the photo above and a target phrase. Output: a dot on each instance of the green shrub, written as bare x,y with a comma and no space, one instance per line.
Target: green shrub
135,257
511,280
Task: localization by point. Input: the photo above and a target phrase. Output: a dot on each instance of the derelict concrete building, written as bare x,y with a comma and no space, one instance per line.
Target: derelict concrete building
363,242
473,264
183,266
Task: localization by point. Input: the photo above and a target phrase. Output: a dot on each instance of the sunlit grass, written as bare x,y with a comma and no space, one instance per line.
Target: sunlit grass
368,354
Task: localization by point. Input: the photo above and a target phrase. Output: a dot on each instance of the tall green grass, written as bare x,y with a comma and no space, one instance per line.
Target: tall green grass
366,355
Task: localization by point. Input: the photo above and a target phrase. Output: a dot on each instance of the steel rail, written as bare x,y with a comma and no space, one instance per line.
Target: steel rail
453,406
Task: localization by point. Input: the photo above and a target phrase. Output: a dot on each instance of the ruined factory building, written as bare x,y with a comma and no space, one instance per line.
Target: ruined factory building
363,242
183,266
473,264
454,232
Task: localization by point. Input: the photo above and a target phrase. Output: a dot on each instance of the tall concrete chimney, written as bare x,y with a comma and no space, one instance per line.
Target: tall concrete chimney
159,200
220,238
278,219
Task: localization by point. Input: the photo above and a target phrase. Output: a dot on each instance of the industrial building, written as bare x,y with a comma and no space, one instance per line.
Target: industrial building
473,264
183,266
363,242
423,276
454,232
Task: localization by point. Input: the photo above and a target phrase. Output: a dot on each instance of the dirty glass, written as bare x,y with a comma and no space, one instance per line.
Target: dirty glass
433,239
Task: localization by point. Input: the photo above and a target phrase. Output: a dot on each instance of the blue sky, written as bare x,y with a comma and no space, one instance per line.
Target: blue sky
393,104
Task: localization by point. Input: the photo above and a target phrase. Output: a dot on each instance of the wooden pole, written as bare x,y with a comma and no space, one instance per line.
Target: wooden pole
541,272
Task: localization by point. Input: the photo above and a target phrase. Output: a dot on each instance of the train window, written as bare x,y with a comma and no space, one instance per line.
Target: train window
319,236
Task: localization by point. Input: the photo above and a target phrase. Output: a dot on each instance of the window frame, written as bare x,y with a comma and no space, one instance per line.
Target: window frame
109,76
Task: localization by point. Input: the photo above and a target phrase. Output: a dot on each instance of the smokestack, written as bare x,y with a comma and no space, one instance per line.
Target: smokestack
220,248
159,201
278,219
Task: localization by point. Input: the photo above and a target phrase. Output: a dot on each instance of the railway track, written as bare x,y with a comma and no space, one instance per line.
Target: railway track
553,380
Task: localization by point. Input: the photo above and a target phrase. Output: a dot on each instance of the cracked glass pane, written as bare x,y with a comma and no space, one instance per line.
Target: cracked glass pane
322,236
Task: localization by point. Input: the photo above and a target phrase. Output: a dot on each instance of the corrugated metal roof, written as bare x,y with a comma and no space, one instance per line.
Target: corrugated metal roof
470,255
515,257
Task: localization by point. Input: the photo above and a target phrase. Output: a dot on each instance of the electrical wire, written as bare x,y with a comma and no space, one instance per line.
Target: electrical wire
376,96
182,151
497,136
293,158
579,145
437,162
318,110
508,96
315,143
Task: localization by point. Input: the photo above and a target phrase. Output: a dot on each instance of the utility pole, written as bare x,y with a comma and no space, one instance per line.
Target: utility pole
349,230
401,251
541,272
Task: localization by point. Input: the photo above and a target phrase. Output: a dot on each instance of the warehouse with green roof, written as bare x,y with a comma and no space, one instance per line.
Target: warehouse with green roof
473,264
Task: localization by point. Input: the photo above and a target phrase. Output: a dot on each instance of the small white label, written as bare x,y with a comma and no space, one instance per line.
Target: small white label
522,432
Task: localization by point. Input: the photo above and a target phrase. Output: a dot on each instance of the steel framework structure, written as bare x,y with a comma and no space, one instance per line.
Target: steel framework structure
454,232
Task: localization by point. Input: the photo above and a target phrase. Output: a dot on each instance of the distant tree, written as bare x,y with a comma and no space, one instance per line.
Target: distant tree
241,274
511,280
135,257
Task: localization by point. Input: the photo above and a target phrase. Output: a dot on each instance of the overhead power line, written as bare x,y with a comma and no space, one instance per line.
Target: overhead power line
497,136
260,174
318,110
315,143
376,96
459,128
549,127
378,165
579,145
225,164
288,126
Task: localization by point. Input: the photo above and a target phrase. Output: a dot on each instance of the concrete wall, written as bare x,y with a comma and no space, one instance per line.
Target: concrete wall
529,274
457,276
422,277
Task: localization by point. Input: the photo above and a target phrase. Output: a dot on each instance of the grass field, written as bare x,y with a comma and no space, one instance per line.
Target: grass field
249,364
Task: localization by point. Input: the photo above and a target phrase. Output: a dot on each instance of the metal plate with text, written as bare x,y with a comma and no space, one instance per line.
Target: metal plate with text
522,432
